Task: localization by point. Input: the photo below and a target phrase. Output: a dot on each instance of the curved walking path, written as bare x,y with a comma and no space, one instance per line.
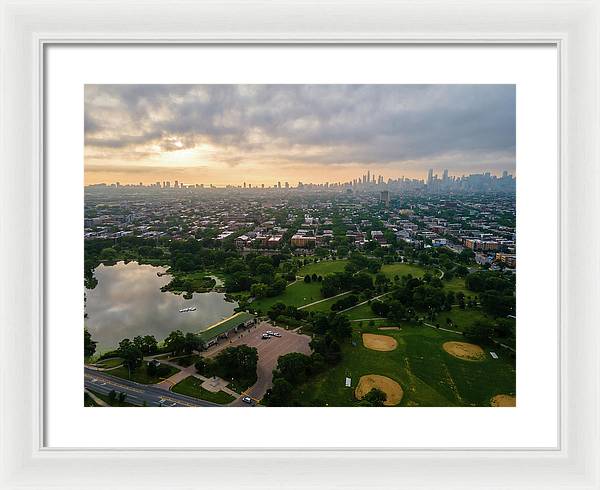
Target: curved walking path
323,300
364,302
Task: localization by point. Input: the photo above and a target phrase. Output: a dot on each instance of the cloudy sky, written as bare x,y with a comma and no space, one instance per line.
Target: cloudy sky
229,134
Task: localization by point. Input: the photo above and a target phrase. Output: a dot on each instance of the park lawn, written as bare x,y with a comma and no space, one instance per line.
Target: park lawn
190,386
460,318
323,267
141,376
457,284
325,306
109,363
360,312
402,269
428,375
298,294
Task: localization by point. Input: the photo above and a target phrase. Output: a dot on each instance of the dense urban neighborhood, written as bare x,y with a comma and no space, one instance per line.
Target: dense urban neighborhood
370,292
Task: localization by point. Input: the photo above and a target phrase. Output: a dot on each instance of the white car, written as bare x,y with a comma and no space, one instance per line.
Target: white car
269,332
247,400
276,334
266,336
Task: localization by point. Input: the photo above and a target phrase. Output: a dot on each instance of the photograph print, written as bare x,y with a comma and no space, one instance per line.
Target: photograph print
300,245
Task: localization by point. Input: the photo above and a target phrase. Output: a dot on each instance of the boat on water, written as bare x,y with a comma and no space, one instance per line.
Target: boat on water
185,310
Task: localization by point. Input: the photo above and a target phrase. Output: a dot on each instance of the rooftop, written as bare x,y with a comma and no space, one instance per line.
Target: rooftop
225,325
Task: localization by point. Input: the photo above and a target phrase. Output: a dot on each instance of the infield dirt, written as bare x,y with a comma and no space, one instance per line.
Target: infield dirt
392,389
503,401
383,343
464,350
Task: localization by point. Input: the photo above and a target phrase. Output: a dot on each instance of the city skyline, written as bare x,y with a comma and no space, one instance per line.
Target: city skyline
364,179
259,134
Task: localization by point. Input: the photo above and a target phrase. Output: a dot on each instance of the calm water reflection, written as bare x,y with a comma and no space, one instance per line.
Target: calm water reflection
128,301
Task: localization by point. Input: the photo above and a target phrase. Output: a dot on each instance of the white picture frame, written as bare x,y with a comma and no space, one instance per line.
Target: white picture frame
27,28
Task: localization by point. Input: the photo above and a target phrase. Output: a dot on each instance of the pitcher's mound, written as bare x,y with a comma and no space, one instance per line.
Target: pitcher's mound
382,343
392,389
464,350
503,401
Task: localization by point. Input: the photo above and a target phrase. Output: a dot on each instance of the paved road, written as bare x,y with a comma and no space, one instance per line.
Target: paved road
137,394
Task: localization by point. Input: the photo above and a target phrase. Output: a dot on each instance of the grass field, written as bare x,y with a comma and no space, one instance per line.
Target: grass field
323,267
141,376
460,318
191,386
110,363
401,269
428,375
457,284
298,294
360,312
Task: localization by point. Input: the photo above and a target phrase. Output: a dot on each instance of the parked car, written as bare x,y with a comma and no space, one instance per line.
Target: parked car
247,400
276,334
266,336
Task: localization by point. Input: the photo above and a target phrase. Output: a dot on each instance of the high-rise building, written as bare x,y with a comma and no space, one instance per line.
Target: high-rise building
445,176
385,197
430,177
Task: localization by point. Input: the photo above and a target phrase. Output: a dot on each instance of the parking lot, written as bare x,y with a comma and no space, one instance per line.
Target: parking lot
269,350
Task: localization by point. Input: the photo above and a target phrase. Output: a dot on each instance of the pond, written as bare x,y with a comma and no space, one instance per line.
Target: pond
127,301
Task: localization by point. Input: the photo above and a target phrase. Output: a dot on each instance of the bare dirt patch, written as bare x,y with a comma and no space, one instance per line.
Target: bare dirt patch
383,343
389,328
464,350
392,389
503,401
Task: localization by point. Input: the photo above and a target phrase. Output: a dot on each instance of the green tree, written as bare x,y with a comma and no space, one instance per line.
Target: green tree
280,395
259,290
131,354
480,331
293,367
191,342
149,344
375,397
89,345
175,342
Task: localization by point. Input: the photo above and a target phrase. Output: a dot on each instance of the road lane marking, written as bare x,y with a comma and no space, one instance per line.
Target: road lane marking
113,383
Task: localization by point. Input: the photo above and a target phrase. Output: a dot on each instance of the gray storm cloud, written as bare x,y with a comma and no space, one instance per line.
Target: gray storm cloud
460,125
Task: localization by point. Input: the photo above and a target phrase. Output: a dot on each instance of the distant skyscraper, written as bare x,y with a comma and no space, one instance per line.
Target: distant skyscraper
385,197
279,185
368,176
430,177
287,185
505,174
445,176
176,184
